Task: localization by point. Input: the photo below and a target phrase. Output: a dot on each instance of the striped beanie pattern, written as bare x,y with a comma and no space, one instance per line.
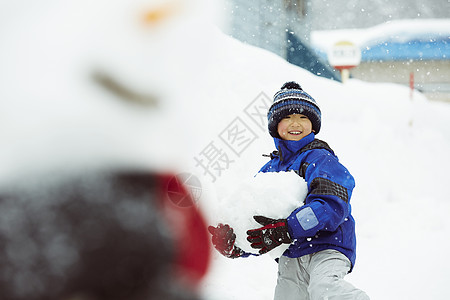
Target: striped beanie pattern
291,99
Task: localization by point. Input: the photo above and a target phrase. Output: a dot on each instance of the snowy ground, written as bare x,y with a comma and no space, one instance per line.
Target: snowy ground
212,91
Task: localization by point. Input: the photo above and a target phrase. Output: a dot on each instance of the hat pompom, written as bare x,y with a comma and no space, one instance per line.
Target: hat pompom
292,85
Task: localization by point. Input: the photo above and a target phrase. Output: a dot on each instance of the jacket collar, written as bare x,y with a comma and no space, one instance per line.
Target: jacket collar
288,149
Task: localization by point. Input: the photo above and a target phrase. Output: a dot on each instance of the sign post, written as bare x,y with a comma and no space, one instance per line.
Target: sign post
344,56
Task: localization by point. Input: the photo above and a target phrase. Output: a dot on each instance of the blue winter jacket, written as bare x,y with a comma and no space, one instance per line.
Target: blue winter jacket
323,220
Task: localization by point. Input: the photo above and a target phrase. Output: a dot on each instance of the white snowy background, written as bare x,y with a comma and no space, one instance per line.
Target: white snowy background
52,115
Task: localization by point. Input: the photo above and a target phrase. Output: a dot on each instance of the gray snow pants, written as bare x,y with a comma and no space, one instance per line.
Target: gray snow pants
316,276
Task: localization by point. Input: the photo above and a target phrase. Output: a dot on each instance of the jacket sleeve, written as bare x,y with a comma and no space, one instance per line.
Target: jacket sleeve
327,206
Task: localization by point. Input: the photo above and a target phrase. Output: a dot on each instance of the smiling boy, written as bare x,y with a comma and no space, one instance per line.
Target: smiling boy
294,127
321,231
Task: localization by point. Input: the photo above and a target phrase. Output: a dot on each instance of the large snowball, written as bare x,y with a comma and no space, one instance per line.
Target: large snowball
274,195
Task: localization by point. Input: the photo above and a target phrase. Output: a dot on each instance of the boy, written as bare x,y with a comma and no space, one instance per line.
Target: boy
321,232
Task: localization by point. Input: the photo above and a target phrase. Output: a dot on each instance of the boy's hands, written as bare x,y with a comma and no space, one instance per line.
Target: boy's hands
223,239
271,235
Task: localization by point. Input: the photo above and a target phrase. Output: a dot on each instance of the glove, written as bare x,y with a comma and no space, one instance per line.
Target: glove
223,239
271,235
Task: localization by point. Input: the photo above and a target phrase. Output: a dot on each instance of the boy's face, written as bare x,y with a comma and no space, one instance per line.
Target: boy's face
294,127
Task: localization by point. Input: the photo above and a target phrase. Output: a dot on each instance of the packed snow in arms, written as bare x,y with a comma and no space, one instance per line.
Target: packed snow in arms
273,195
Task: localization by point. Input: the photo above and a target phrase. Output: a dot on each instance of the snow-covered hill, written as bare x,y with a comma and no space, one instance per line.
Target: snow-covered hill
396,148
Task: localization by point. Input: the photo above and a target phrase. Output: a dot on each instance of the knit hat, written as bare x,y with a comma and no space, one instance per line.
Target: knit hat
291,99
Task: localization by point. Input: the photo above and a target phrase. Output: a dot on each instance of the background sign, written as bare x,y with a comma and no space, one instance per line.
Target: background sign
344,55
